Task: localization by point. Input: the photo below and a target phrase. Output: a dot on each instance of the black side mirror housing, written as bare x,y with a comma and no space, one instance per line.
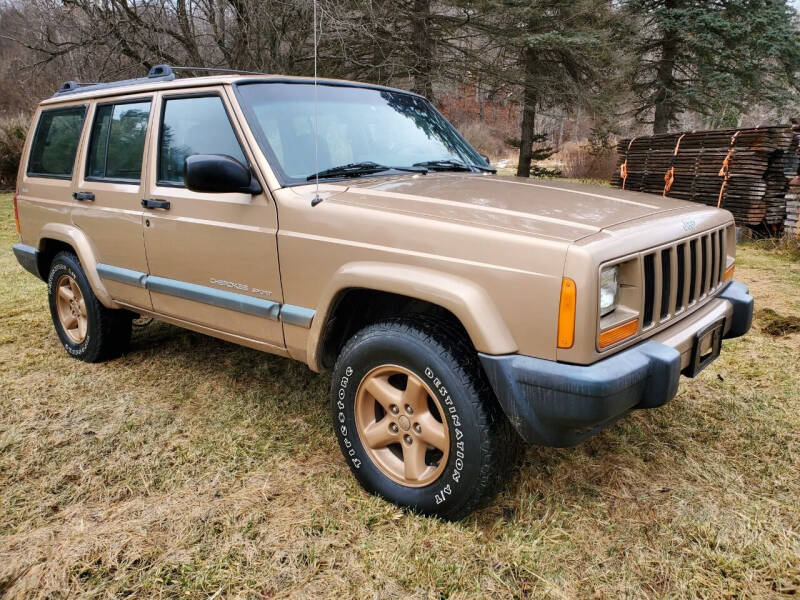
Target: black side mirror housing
219,173
486,158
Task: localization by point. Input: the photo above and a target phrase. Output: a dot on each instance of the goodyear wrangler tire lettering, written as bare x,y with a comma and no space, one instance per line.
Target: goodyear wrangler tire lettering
415,419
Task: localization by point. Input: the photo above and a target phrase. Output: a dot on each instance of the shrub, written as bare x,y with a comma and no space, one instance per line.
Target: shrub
586,161
12,139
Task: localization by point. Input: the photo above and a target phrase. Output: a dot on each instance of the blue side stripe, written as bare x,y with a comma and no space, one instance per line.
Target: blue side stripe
121,275
207,295
288,313
297,315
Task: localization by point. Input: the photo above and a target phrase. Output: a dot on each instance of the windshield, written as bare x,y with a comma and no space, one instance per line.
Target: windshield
354,125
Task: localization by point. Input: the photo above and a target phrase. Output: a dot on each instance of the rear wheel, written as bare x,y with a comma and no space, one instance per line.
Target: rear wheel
89,331
416,420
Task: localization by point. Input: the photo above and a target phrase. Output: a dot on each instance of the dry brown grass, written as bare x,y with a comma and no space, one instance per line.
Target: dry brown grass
193,468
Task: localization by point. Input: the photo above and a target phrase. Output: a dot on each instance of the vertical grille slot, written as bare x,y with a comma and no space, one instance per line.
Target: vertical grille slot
704,265
649,289
723,257
714,241
666,281
681,281
692,270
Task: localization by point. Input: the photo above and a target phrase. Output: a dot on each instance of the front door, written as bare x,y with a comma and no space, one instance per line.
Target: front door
213,258
108,195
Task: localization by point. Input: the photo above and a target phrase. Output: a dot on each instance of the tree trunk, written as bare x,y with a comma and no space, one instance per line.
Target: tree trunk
423,48
666,92
528,127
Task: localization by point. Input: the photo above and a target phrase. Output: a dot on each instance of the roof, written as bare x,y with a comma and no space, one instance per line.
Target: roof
164,79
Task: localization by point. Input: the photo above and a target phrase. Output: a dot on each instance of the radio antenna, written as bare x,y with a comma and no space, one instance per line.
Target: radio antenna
317,198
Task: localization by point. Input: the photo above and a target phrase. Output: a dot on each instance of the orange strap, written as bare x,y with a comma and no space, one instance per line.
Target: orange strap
669,176
623,169
726,163
725,169
721,189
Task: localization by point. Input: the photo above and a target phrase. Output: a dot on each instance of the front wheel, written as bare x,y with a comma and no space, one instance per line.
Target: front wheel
416,420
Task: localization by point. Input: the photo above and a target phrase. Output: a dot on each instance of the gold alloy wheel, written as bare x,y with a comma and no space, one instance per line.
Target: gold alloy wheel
402,426
71,308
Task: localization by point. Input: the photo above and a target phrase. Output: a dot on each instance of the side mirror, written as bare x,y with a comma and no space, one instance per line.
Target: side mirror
218,173
486,158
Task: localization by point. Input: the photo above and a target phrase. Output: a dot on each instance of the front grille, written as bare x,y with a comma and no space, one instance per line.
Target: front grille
682,274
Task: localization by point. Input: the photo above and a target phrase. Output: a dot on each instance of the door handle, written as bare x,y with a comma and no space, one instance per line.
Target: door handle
83,195
149,203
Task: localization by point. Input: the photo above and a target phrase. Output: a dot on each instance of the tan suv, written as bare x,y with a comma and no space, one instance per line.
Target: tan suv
351,227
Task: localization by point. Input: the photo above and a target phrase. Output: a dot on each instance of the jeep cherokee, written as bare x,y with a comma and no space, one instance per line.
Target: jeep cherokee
351,227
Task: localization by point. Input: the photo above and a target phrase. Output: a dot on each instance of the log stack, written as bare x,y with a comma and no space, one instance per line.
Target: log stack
791,225
746,171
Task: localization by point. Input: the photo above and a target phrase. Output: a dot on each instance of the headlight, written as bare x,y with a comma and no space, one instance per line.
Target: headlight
609,289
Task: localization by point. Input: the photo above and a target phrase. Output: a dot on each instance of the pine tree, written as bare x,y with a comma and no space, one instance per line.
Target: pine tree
557,53
710,57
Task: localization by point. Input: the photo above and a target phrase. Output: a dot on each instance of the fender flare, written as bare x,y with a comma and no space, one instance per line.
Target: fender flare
77,239
468,301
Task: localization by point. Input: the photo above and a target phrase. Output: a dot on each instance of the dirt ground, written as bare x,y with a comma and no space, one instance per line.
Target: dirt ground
193,468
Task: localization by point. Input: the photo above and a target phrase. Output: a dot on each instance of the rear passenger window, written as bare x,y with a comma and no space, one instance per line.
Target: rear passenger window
197,125
117,143
56,142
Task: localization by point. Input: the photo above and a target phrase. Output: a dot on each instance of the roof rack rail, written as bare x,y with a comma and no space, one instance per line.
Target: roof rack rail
217,70
156,73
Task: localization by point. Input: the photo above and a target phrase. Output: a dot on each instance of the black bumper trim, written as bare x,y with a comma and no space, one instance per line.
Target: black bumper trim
738,295
556,404
28,257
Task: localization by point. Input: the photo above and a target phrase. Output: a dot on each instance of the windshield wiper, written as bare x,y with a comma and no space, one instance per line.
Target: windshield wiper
453,165
362,168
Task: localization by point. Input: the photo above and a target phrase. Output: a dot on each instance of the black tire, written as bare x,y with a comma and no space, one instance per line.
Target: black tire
481,440
108,331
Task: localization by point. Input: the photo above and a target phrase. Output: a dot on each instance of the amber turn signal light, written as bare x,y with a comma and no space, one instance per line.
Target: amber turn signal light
566,313
618,333
728,273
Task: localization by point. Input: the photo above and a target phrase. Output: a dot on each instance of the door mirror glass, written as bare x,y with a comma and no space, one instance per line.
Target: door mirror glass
218,173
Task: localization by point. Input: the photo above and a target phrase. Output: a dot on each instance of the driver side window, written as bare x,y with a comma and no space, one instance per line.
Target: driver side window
194,125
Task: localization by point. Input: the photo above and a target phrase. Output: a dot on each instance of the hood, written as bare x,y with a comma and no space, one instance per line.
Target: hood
565,211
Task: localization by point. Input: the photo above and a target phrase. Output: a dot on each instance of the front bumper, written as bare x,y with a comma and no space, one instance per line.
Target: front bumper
557,404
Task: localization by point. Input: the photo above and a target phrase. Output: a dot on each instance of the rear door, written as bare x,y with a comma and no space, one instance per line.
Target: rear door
213,257
108,195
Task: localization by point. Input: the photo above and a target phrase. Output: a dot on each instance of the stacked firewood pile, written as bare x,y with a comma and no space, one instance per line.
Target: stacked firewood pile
746,171
791,226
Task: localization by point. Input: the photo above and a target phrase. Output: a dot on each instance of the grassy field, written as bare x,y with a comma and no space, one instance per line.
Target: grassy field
193,468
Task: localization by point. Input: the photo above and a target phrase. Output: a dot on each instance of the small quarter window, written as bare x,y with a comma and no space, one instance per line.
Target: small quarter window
56,142
196,125
117,143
